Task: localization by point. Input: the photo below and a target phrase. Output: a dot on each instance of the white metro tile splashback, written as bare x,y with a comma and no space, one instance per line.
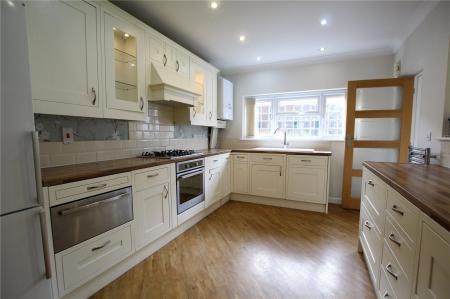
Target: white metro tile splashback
157,133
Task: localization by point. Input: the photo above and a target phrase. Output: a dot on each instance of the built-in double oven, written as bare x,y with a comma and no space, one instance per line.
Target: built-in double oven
190,184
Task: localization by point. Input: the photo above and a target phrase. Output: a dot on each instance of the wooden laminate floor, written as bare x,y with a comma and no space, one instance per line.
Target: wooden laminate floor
245,250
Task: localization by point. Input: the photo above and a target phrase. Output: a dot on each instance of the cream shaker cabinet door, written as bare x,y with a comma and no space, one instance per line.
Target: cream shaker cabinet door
306,184
124,65
226,177
240,177
214,186
267,180
157,54
433,279
64,57
152,213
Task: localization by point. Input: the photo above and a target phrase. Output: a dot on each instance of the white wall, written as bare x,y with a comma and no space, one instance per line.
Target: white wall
426,51
326,75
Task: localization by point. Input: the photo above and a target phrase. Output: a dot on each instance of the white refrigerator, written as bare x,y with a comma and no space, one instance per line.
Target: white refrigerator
25,270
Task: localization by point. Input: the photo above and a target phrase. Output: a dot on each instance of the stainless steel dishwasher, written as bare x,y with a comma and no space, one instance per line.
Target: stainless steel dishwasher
80,220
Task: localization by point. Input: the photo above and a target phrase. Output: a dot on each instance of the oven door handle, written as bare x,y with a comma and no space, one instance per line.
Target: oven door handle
189,174
91,205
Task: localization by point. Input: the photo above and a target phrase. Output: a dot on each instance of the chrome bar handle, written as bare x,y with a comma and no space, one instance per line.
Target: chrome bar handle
370,182
142,103
194,112
306,161
95,96
153,175
166,191
389,270
397,210
164,59
91,205
102,246
40,199
178,66
394,240
96,187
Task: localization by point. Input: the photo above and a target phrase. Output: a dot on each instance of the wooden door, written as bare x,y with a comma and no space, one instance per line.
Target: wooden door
386,101
152,213
64,57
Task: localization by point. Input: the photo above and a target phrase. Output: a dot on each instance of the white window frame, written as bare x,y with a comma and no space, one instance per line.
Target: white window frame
275,98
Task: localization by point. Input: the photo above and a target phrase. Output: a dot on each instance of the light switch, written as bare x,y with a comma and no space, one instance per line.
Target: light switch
67,135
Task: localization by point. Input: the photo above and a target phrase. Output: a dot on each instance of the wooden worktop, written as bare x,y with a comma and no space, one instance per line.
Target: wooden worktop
71,173
425,186
288,151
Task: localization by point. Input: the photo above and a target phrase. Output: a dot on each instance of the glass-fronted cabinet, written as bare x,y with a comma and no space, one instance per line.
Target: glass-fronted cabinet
199,76
124,65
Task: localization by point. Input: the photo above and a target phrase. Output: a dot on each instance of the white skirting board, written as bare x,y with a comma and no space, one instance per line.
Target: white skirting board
279,202
335,200
110,275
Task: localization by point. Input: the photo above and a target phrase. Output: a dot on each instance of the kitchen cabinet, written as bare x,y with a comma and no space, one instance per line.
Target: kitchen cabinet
240,175
124,69
64,57
217,178
152,200
168,55
407,253
267,175
152,213
434,264
306,179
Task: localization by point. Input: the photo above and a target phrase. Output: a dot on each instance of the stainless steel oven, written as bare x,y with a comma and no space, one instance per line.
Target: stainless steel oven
80,220
190,184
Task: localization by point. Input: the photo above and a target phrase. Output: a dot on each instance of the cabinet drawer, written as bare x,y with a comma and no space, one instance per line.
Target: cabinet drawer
372,243
401,286
402,249
385,290
215,161
374,197
404,213
307,160
82,263
151,177
267,159
240,157
73,191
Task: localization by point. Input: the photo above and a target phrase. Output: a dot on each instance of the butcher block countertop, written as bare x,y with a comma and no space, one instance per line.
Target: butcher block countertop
287,151
425,186
71,173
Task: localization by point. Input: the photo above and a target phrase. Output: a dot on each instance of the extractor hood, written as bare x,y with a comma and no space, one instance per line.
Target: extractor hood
170,88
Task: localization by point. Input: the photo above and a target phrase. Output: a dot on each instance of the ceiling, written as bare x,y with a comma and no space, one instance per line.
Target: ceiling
280,31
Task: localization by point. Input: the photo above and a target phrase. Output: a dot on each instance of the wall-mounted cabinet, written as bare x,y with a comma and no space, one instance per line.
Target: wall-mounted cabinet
64,57
124,69
92,59
168,55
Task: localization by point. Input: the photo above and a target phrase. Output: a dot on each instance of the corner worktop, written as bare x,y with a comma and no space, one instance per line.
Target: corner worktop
425,186
71,173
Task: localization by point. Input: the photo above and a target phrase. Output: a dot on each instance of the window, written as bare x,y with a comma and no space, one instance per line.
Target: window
307,115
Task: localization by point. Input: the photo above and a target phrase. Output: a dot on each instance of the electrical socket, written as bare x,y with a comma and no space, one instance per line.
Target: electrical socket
67,135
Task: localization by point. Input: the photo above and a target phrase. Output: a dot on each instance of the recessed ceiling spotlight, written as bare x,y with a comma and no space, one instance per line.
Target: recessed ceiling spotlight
126,35
214,5
323,22
322,49
242,38
258,58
